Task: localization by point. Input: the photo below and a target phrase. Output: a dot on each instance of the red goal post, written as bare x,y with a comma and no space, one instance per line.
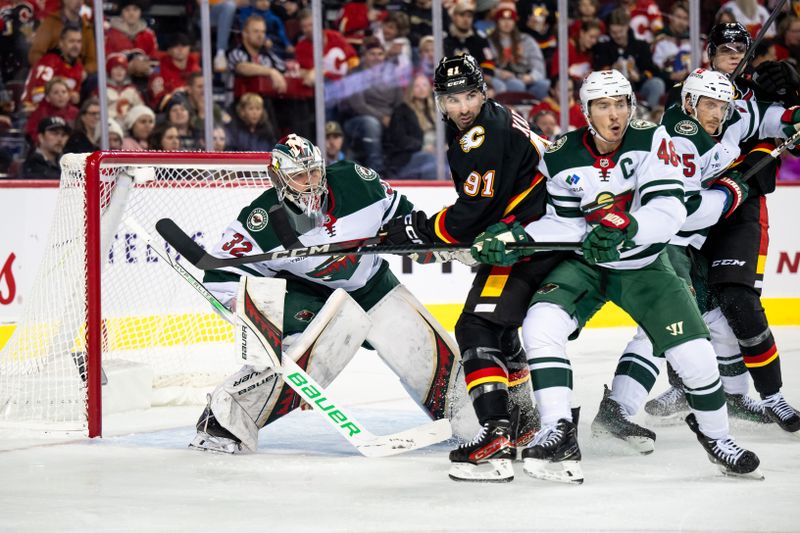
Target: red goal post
102,301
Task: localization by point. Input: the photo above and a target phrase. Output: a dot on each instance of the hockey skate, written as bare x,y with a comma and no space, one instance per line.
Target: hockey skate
743,407
730,458
554,454
783,414
670,405
212,437
525,422
487,457
612,420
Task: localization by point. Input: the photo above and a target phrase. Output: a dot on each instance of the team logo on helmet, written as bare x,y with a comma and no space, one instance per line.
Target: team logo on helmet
686,127
561,141
640,124
472,139
367,174
257,220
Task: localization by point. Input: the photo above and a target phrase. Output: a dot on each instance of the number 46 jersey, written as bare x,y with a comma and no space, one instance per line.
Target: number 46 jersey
643,177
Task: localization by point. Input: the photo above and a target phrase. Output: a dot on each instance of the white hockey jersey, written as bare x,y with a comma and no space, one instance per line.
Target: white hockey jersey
643,177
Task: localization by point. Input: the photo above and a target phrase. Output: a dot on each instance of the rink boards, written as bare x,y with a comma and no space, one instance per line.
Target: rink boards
26,211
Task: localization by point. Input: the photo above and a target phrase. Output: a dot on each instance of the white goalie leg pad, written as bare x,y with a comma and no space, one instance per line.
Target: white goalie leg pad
259,307
627,391
735,377
696,364
245,401
424,356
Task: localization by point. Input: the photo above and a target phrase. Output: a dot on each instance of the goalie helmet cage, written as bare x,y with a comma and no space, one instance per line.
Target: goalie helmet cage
102,300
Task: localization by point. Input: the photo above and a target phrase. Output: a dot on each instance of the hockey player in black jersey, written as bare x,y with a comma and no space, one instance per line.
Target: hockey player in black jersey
736,248
493,157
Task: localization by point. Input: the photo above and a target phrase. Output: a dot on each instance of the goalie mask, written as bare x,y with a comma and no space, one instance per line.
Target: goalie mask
711,84
297,171
604,84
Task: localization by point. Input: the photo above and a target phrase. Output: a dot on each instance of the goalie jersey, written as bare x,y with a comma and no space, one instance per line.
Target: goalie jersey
643,176
358,204
705,158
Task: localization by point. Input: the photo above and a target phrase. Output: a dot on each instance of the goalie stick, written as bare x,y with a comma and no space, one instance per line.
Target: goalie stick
313,393
197,256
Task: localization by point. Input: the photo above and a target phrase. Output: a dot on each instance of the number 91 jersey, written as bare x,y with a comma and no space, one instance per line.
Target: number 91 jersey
494,163
644,167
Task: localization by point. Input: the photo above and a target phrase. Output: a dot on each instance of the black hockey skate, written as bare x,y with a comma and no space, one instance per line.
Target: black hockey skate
732,459
212,437
783,414
612,420
670,405
743,407
487,457
554,454
525,423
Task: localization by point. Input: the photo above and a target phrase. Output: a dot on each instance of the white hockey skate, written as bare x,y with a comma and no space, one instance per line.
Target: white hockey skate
554,454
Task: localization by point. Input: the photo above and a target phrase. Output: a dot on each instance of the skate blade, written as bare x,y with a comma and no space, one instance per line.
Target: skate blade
492,471
562,471
755,475
642,445
207,443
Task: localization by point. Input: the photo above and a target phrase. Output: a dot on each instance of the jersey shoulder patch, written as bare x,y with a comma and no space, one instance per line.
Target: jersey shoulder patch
685,128
641,124
557,144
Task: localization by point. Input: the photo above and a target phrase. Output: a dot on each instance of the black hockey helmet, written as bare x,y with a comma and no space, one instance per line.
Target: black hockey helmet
728,32
457,74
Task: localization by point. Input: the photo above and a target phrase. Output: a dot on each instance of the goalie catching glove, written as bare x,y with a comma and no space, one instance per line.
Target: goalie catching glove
604,241
490,246
734,188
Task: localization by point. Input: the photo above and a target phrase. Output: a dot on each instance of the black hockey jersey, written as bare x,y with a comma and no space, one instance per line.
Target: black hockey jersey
494,164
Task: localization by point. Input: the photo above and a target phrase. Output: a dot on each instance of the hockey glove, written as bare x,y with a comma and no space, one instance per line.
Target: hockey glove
777,78
408,229
734,188
604,241
790,121
490,246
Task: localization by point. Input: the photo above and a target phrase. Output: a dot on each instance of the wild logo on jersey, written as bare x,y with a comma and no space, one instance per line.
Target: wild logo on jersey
336,268
616,204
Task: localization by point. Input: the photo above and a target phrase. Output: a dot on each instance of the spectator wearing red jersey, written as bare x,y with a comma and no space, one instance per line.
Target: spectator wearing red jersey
788,43
47,37
121,94
585,10
575,116
338,56
174,69
56,103
357,19
580,52
63,62
128,34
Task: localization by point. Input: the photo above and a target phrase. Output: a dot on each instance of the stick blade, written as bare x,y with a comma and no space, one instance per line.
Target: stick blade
406,441
182,243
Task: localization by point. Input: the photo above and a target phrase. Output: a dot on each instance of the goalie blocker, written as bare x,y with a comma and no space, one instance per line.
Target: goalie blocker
322,330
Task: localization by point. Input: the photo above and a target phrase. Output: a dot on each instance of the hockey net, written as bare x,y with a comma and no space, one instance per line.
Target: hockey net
102,296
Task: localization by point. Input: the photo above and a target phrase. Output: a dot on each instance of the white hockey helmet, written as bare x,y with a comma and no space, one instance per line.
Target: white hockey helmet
602,84
709,83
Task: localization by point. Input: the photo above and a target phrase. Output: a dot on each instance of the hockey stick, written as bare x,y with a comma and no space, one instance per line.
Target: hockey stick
195,254
774,154
760,37
314,394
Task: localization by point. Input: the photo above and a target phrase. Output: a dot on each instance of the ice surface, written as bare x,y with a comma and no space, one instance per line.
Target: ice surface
141,476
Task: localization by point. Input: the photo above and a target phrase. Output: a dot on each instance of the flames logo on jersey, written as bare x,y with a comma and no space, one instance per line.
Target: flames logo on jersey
336,268
472,139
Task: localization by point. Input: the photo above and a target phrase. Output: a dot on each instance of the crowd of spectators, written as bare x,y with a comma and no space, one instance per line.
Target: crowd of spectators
377,71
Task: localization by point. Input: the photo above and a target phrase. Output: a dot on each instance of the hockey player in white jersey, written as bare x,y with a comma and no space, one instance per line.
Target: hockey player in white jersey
341,202
708,130
616,185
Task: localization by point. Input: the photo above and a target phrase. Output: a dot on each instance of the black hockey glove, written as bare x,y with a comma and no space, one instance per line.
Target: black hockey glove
408,229
735,188
777,78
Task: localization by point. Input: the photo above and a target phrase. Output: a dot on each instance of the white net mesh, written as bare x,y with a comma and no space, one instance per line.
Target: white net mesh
150,315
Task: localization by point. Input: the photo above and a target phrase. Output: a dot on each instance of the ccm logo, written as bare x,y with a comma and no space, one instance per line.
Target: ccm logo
728,262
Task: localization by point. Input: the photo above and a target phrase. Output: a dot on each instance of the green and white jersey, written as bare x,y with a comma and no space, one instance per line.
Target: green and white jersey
643,177
358,204
705,158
